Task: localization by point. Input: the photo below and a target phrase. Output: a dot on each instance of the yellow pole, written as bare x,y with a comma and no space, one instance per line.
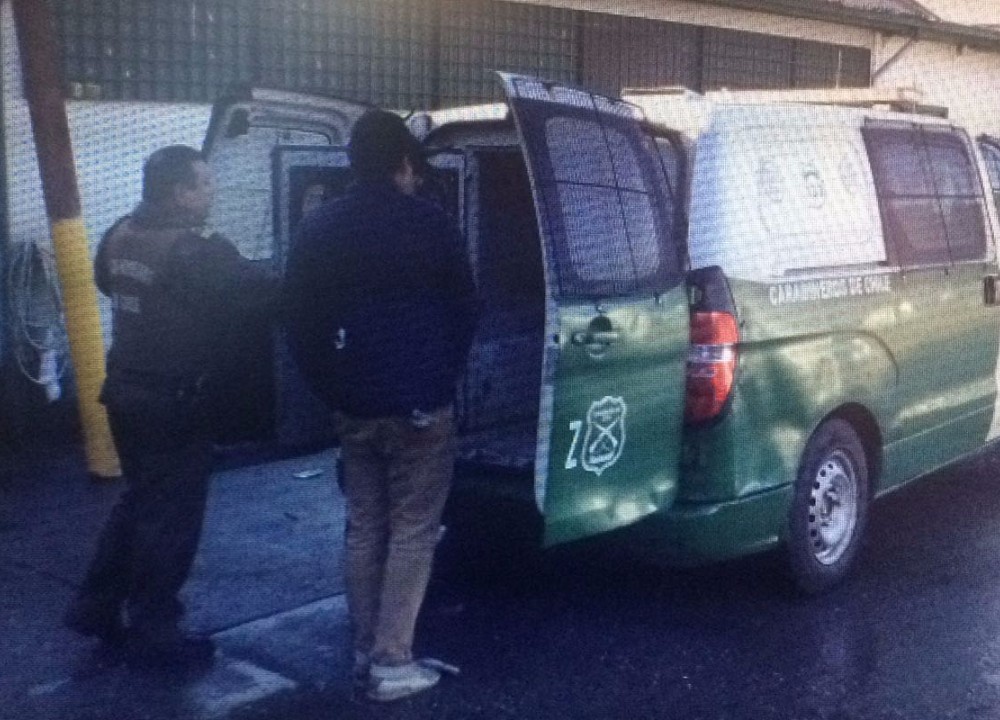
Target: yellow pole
43,90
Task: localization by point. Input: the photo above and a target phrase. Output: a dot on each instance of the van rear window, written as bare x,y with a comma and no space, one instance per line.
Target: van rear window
931,200
607,204
610,223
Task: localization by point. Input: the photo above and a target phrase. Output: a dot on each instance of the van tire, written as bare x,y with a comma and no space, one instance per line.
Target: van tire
829,510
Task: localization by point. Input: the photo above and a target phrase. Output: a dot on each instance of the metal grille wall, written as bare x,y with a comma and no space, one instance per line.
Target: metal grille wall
621,52
741,60
480,36
414,53
379,51
152,49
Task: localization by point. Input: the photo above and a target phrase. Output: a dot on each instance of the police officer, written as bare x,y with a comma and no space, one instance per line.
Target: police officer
174,294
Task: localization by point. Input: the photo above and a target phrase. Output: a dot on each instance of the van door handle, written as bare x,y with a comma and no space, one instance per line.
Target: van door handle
595,337
603,337
991,290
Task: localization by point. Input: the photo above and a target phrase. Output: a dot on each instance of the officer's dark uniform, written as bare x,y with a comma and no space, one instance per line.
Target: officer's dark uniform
175,294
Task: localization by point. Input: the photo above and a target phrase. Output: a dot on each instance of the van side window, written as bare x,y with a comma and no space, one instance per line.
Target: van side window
929,194
991,154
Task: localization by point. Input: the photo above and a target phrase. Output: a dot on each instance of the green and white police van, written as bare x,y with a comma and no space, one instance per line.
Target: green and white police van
710,326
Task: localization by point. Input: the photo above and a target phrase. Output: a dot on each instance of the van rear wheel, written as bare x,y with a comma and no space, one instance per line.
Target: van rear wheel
829,508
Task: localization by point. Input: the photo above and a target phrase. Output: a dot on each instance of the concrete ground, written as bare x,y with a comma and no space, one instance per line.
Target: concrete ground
580,632
268,562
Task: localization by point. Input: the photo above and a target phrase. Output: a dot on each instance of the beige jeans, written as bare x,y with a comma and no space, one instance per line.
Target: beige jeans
397,473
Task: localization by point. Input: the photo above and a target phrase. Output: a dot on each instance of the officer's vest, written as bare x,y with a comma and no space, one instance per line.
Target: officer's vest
155,332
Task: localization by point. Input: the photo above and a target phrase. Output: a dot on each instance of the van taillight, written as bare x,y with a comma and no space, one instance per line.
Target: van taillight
711,365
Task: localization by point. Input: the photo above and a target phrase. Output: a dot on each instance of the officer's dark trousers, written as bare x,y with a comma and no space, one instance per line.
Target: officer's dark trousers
146,548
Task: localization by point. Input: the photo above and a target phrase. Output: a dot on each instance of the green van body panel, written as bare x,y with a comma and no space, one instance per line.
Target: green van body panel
644,369
892,350
696,533
946,339
798,363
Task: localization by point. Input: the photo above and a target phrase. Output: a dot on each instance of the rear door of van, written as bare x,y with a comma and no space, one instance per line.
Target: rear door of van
616,335
273,153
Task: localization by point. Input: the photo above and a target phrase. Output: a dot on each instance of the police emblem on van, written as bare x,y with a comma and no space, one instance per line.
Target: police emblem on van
605,437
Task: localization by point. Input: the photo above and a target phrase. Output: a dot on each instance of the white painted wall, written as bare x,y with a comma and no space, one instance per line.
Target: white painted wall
698,13
965,12
966,81
110,141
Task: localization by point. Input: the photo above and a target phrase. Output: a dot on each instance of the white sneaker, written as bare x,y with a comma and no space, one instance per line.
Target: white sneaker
392,682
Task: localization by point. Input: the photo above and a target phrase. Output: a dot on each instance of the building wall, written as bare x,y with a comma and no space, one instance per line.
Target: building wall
434,53
706,14
965,12
110,140
966,81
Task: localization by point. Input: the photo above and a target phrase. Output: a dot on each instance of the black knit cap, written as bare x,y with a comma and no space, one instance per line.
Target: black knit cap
379,142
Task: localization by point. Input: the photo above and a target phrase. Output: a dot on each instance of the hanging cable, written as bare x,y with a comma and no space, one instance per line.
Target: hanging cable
35,310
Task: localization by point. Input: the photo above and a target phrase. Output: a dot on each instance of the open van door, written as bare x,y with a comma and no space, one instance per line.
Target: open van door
242,135
264,146
610,418
304,176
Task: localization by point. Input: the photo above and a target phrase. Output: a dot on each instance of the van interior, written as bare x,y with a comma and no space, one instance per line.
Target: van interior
498,402
499,394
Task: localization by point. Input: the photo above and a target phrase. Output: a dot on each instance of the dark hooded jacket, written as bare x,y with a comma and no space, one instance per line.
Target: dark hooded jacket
380,303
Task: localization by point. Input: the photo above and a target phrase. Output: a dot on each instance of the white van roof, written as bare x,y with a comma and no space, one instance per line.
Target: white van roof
422,123
691,113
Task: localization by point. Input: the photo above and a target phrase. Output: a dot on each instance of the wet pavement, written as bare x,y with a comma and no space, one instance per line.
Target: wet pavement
581,632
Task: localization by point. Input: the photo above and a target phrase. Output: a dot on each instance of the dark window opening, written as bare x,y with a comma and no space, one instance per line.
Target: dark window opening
929,193
991,154
510,270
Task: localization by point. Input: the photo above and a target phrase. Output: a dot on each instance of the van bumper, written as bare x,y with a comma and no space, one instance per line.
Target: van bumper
698,533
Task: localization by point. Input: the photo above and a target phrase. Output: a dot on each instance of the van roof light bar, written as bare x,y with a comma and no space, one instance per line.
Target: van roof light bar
665,91
905,99
900,99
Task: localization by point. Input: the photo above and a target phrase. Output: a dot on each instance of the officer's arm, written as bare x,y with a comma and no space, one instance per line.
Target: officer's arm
211,275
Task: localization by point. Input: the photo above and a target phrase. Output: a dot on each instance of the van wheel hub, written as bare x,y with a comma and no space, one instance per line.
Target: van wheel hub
833,508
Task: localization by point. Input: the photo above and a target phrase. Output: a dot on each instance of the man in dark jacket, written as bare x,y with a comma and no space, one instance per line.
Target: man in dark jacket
175,293
381,311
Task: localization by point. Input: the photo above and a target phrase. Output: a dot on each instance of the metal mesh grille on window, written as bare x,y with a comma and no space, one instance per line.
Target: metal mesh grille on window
620,52
736,59
610,228
154,49
379,51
